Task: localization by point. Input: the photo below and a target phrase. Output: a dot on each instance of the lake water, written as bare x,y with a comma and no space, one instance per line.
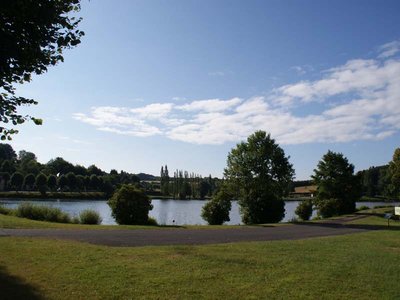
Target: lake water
184,212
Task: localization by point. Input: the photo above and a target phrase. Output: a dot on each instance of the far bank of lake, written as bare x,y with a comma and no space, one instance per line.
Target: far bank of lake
166,212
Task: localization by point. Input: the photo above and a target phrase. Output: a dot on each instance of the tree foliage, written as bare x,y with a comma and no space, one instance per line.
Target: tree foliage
29,181
16,180
130,205
216,211
304,209
33,36
41,182
335,179
394,174
259,173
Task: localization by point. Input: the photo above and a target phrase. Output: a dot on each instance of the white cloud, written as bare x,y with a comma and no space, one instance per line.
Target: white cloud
153,111
389,49
210,105
359,100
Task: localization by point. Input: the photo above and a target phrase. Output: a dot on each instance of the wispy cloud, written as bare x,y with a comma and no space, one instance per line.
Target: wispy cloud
301,70
389,49
359,100
216,73
210,105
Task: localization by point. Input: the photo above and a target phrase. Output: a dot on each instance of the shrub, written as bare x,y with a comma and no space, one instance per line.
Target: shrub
89,216
42,213
363,207
328,208
130,205
304,210
6,210
75,220
216,211
152,222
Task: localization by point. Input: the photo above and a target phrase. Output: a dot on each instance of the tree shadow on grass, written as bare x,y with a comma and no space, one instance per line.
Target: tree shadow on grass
12,287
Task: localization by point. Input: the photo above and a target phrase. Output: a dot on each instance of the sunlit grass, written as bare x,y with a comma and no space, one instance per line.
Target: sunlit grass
358,266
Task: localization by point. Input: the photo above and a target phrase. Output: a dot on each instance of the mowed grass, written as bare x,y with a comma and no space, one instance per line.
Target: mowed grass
10,222
16,222
357,266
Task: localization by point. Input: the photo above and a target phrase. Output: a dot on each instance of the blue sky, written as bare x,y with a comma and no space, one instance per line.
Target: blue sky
181,82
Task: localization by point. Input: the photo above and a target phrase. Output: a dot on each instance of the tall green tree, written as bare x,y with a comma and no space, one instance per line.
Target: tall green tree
52,182
394,174
259,173
8,166
41,183
33,36
62,182
17,180
7,152
337,186
29,181
72,181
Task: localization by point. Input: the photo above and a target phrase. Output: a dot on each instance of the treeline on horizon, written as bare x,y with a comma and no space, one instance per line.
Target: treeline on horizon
23,172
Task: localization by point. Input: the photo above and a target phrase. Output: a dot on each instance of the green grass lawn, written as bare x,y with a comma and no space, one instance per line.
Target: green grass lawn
357,266
15,222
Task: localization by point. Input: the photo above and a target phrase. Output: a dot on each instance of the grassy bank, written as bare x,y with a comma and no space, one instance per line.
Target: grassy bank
53,195
360,266
357,266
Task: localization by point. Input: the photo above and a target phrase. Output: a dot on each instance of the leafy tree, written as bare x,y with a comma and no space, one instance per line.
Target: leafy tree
33,36
87,182
259,173
94,182
7,166
394,174
52,182
329,208
216,211
114,172
62,182
60,166
7,152
5,177
41,183
80,182
80,170
29,181
72,181
204,189
304,210
130,205
16,180
93,170
26,156
31,166
335,179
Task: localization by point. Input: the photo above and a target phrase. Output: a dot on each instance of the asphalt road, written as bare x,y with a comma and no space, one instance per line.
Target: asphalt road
181,236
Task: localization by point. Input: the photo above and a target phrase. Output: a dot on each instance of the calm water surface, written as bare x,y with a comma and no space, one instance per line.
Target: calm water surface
184,212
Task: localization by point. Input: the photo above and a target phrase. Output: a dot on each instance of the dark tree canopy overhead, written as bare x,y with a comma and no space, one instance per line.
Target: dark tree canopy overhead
260,173
33,35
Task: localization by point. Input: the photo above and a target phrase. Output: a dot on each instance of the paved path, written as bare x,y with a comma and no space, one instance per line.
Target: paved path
177,236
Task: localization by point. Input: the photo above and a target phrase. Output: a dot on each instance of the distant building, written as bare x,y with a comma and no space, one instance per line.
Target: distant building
304,191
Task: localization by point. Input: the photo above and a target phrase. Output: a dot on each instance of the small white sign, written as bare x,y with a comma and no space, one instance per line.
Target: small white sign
397,211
